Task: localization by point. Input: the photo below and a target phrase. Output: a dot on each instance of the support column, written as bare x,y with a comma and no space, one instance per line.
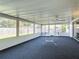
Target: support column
48,29
41,29
17,28
55,28
71,26
73,29
34,28
17,24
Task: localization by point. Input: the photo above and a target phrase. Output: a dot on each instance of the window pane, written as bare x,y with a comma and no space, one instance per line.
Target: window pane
25,28
30,28
7,28
64,27
37,28
52,29
44,29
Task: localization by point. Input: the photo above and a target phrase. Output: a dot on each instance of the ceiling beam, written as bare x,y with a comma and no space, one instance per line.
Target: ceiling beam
14,18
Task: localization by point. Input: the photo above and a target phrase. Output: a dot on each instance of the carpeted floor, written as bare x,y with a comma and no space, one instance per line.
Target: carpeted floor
44,48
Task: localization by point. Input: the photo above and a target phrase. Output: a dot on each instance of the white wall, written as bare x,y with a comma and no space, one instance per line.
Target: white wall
71,28
9,42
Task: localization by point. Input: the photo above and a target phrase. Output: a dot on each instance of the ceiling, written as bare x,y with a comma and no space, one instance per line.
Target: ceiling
40,11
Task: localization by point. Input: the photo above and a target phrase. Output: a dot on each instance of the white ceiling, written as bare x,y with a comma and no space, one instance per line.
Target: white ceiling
40,11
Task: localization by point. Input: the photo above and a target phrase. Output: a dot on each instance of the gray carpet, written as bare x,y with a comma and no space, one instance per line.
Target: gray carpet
44,48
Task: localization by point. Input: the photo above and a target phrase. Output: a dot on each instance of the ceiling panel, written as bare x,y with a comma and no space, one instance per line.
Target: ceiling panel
36,10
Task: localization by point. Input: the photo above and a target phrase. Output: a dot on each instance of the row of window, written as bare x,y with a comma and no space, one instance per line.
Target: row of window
62,27
8,28
55,29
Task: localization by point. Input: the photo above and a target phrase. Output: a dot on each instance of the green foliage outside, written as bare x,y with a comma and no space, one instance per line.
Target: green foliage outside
64,28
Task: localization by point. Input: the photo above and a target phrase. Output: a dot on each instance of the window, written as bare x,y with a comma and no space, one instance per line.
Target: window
52,29
30,28
37,28
25,28
7,28
45,29
64,27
